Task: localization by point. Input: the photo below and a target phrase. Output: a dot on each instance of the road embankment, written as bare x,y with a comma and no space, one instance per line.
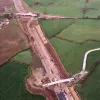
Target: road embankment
50,95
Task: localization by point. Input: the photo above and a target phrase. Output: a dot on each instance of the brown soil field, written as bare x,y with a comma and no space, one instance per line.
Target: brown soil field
12,41
7,5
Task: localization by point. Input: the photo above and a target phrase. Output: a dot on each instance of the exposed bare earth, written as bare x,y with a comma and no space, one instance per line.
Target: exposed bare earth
4,3
29,83
6,6
15,42
50,95
12,41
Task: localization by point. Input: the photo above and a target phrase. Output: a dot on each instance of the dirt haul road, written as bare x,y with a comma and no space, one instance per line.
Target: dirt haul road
49,58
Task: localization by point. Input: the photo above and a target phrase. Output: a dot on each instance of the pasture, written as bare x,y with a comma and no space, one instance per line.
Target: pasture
82,31
70,38
76,8
22,57
54,27
71,44
12,84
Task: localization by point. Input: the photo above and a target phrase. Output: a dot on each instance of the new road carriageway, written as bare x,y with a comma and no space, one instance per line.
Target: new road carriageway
52,68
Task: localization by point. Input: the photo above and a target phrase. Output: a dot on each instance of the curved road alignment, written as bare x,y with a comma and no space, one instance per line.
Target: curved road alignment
85,58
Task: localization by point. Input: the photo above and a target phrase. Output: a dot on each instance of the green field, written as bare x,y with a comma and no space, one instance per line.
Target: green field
82,31
71,51
12,84
54,27
22,57
90,90
72,54
70,38
66,7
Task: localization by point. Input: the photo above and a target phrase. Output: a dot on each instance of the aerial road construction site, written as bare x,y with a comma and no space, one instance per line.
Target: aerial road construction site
50,79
